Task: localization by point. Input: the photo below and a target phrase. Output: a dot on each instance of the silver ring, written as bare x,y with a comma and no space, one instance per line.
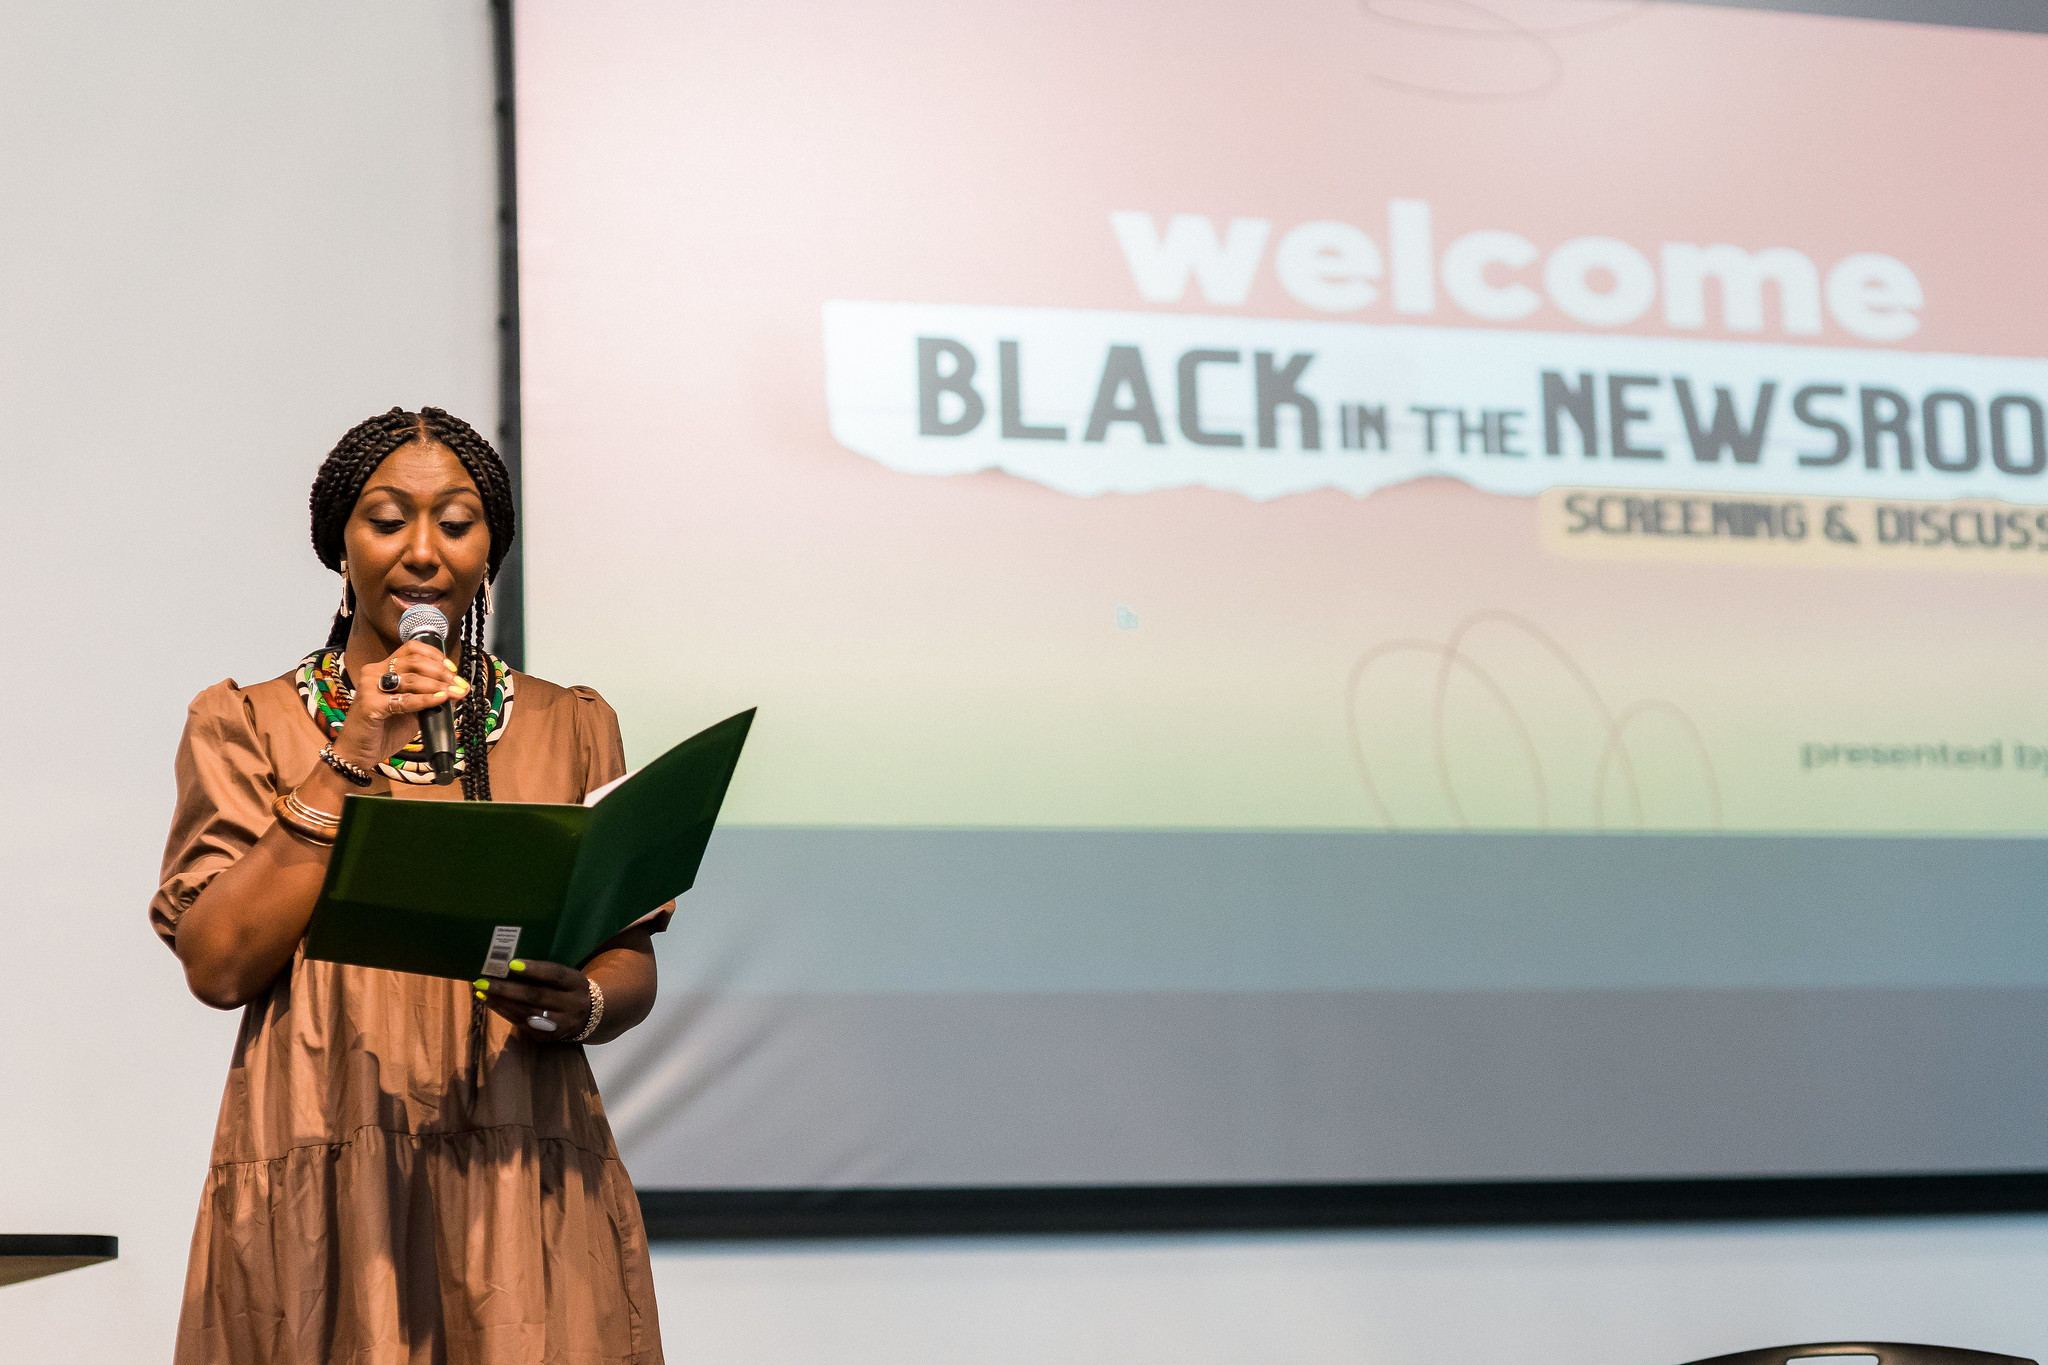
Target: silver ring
541,1022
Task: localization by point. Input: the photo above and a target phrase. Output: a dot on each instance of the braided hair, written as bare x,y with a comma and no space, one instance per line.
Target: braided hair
339,484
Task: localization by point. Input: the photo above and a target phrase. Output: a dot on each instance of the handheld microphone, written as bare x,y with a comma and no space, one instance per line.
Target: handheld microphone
437,724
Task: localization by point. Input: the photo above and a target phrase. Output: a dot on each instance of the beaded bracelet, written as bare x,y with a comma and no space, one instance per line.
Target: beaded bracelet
341,765
596,1011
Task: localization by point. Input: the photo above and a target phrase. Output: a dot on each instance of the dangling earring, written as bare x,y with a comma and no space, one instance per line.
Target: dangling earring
487,596
345,586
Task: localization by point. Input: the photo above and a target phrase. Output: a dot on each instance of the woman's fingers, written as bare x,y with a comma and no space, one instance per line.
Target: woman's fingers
557,996
543,1025
421,684
425,678
538,997
418,677
417,656
423,668
527,971
407,702
518,1013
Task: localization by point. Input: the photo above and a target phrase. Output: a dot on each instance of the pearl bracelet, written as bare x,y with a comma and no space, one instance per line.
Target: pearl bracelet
596,1011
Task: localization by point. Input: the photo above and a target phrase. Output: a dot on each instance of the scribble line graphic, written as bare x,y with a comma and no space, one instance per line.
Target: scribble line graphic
1613,748
1453,656
1464,28
1450,657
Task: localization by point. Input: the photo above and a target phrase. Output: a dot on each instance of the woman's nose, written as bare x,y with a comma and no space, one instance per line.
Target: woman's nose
419,547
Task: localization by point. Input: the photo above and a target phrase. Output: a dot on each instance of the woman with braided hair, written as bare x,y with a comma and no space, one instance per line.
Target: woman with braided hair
406,1169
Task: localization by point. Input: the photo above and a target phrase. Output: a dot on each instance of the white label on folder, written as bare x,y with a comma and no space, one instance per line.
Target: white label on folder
504,943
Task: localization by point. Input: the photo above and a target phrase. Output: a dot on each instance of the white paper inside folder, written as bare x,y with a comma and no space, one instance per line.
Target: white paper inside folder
598,794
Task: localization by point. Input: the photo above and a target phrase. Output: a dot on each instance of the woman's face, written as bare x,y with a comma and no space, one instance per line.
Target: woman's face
416,538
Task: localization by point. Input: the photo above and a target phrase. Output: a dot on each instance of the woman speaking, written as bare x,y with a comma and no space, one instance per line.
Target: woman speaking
406,1169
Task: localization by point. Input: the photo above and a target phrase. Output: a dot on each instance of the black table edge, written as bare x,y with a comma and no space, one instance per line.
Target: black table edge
59,1244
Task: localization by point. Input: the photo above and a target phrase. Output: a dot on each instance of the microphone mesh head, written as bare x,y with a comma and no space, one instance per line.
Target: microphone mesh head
419,623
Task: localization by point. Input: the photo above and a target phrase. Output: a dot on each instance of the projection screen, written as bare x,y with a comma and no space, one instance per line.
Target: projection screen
1338,590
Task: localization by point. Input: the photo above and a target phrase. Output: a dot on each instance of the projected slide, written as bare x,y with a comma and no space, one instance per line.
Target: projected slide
1337,589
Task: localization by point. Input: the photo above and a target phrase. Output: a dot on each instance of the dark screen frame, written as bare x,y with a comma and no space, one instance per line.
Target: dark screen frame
508,620
791,1215
2015,16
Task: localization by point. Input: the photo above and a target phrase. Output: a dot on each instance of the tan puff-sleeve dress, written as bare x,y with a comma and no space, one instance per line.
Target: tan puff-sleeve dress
387,1188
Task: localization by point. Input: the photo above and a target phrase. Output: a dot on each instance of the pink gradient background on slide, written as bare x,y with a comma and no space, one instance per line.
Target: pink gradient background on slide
697,181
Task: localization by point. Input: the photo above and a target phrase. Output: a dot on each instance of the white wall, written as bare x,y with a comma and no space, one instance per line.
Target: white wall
233,227
228,230
1581,1297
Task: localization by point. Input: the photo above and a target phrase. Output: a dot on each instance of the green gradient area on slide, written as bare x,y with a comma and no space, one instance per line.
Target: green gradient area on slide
1229,762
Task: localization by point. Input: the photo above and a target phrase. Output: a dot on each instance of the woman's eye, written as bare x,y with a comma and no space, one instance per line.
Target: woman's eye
457,528
386,527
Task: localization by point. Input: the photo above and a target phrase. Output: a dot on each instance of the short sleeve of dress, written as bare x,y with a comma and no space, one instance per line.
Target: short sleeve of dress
603,752
225,787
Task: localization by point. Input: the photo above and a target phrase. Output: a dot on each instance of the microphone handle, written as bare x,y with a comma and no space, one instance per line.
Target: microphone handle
437,731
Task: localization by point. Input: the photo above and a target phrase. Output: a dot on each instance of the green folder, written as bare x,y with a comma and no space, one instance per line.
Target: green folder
460,888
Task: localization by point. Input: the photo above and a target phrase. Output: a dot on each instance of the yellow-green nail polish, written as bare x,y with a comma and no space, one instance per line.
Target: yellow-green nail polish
479,995
450,663
518,966
481,983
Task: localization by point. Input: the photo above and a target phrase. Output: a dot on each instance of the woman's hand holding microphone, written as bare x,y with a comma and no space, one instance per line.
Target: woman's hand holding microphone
384,716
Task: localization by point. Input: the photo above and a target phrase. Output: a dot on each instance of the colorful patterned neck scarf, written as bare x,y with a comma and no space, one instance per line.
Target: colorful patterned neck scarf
324,685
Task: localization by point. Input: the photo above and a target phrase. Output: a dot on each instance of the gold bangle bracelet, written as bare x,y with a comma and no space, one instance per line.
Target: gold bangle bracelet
311,814
314,826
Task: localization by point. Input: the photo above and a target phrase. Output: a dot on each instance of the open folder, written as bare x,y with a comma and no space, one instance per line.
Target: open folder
460,888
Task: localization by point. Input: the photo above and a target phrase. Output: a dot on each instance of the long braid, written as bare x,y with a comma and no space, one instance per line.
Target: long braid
337,488
474,718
